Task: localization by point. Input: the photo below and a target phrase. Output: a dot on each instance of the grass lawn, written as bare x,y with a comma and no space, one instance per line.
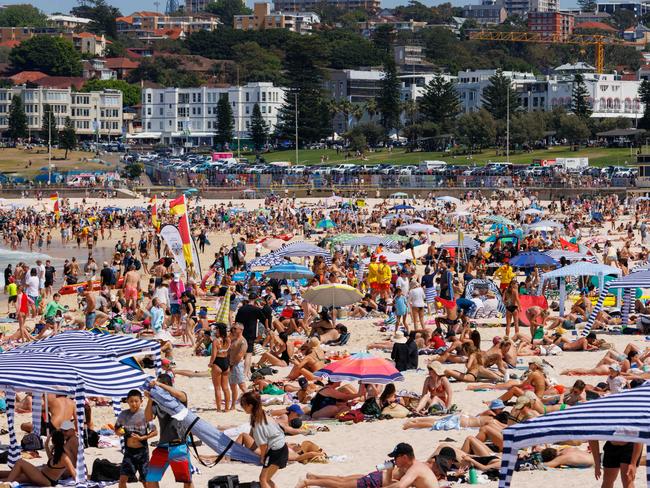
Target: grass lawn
17,161
597,156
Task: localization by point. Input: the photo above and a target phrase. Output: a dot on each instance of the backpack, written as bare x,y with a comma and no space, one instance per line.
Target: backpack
371,408
104,470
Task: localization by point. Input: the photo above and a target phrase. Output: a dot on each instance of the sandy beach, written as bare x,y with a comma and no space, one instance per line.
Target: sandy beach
355,448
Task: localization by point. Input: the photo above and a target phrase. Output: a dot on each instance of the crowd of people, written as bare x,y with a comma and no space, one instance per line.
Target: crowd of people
432,307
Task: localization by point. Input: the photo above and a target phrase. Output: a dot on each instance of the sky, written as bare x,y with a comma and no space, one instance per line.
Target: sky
128,6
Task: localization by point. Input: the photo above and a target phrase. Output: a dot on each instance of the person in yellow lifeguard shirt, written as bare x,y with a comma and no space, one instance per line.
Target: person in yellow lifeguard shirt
373,275
384,276
506,274
12,291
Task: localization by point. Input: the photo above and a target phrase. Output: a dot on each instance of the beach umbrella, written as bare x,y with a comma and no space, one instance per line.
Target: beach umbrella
272,243
393,258
461,213
332,295
533,211
402,207
363,367
498,219
417,227
447,199
399,194
326,224
191,191
223,314
532,260
289,271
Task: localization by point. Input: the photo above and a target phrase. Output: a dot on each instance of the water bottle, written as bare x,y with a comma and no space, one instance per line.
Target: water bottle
506,376
473,476
385,465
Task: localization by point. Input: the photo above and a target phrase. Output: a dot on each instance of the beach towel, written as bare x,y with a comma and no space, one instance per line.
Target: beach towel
71,482
528,301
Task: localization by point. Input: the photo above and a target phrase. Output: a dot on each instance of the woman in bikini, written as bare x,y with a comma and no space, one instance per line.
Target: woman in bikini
312,360
58,462
475,368
511,301
280,352
436,389
219,365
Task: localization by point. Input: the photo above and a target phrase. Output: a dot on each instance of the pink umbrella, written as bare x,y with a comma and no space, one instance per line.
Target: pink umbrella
362,367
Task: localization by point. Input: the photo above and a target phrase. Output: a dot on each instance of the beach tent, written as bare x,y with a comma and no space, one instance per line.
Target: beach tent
639,279
72,375
491,286
296,249
580,268
623,417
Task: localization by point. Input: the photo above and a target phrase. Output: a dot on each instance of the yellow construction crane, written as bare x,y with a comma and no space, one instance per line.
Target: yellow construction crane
598,41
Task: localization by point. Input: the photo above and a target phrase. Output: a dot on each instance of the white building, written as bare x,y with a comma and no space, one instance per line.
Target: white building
92,113
189,115
68,21
609,95
413,86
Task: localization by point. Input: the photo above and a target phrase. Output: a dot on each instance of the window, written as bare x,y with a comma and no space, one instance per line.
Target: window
148,125
264,96
162,98
247,109
160,111
247,96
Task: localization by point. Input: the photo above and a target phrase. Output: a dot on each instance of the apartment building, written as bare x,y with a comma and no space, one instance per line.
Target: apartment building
263,18
609,94
371,6
557,25
189,115
196,6
486,13
639,7
92,113
146,24
68,21
84,42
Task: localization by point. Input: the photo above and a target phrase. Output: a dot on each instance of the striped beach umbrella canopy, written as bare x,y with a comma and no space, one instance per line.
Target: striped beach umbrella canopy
363,367
622,417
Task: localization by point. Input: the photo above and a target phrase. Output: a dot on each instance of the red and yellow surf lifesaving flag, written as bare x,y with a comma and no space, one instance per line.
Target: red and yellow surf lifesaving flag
57,209
178,207
154,213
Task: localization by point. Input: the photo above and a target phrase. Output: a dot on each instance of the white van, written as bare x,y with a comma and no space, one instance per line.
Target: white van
432,165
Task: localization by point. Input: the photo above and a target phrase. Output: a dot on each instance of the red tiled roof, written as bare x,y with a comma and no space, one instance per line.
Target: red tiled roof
75,82
595,25
10,43
174,34
121,63
27,76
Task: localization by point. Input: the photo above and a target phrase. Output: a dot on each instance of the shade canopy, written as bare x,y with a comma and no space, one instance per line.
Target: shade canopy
623,417
418,227
532,259
363,367
332,295
465,242
570,256
296,249
580,268
289,271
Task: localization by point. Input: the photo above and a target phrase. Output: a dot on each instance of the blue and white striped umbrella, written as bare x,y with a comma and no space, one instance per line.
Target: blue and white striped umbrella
465,242
570,256
96,345
296,249
623,417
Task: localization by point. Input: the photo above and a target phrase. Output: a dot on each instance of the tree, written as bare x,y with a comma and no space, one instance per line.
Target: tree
68,137
133,170
259,129
256,63
587,5
225,122
573,128
624,18
102,15
371,132
388,100
303,61
644,97
527,128
227,9
17,119
440,103
54,56
166,71
580,98
496,95
21,15
382,38
476,129
49,133
130,92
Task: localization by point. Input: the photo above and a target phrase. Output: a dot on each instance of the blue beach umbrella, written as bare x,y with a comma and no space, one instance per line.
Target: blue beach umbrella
532,259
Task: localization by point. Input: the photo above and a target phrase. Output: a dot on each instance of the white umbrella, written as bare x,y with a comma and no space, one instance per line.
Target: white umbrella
417,227
334,295
448,199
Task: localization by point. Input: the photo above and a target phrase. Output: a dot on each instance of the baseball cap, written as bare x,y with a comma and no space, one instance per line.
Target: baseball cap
295,408
401,449
67,425
615,367
497,404
166,362
302,381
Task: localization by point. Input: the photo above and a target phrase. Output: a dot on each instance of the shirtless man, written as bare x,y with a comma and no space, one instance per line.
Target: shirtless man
407,473
131,286
60,408
90,310
236,354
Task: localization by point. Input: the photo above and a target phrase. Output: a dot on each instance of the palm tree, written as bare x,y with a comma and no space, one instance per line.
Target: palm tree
410,109
357,112
371,108
333,109
346,107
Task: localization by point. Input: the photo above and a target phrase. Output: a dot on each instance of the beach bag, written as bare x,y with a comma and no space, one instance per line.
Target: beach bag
227,481
351,416
31,442
104,470
396,411
371,408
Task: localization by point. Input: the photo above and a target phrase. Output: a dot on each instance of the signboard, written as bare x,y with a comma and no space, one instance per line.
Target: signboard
221,155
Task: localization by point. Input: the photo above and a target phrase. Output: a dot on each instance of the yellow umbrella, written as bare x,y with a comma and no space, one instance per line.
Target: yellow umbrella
223,315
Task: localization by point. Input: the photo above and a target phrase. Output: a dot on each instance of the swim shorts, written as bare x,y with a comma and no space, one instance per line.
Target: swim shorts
371,480
615,455
178,457
136,460
130,292
236,375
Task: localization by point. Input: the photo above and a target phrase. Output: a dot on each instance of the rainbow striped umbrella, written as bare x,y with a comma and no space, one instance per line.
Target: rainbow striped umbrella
363,367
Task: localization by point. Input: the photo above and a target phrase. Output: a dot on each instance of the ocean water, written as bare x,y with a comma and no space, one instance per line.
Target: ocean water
13,257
